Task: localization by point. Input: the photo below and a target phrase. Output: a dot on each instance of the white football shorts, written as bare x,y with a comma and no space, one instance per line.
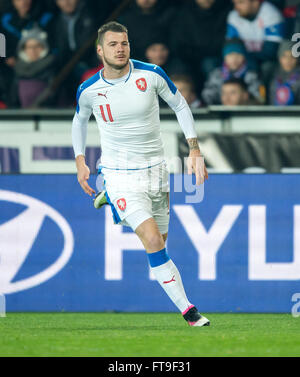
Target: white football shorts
137,195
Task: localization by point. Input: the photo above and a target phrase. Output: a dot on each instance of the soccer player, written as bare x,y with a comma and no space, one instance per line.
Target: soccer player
123,97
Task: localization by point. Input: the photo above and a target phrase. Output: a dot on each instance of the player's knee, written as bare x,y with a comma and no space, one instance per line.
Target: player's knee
155,242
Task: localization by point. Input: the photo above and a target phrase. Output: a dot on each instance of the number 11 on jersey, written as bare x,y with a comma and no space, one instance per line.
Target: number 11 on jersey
108,111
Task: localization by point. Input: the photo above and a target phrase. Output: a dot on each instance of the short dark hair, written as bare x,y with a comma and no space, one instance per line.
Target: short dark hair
237,81
110,26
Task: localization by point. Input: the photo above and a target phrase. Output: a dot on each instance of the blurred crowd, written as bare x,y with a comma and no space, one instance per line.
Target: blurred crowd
230,52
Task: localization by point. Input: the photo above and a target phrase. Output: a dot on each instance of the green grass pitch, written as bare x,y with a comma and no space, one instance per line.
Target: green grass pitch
148,334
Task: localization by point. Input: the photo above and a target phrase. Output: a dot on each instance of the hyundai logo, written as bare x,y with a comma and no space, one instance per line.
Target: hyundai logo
17,237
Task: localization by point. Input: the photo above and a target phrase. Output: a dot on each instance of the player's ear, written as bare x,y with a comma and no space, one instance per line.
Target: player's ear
99,50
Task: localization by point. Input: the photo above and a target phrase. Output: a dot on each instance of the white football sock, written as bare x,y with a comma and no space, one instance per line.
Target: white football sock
169,278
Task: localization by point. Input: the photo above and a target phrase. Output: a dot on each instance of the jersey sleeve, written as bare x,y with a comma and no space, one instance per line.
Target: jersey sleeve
80,122
164,86
83,108
169,93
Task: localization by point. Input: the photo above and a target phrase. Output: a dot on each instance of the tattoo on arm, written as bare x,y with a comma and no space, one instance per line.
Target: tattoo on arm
193,143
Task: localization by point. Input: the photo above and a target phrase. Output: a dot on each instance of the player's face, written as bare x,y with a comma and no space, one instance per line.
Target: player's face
233,95
287,61
234,61
115,50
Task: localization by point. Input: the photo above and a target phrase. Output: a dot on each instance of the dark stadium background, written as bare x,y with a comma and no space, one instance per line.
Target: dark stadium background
77,261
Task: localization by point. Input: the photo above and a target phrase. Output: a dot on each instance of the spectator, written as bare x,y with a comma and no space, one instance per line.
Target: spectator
185,85
73,26
198,35
234,65
261,27
23,15
234,93
289,10
285,86
159,53
146,20
34,66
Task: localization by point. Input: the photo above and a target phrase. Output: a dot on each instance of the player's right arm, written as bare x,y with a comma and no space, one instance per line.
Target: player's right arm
79,133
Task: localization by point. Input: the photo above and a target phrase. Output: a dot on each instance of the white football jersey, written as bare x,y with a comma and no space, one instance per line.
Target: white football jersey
267,26
127,114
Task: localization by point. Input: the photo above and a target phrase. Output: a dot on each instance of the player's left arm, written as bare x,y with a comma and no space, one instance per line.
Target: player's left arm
196,162
169,93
